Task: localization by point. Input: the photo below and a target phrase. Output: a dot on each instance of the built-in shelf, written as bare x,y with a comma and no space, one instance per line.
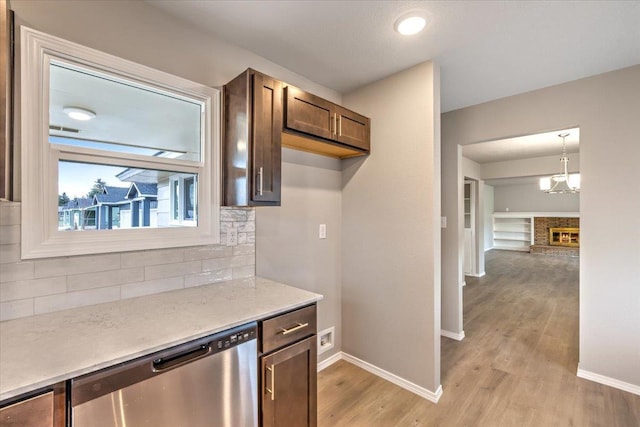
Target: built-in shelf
512,231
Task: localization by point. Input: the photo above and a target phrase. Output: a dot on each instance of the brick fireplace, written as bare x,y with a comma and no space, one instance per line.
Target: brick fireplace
541,228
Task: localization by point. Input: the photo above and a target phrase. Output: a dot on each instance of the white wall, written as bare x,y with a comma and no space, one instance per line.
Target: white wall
390,226
606,108
488,216
287,244
529,198
471,169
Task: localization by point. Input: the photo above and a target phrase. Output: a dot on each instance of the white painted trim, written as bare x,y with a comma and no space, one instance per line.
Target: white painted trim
329,361
399,381
475,274
611,382
452,335
488,249
538,214
463,284
40,159
513,248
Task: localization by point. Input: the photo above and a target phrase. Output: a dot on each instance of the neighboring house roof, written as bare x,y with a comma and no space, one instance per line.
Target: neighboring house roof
142,189
111,195
81,203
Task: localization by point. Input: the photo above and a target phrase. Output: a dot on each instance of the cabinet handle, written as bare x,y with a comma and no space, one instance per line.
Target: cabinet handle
339,125
260,180
295,328
272,390
335,123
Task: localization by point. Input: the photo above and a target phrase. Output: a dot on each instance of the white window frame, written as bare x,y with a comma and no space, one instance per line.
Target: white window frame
39,159
181,194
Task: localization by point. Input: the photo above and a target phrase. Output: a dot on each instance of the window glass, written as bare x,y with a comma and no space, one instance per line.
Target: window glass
189,198
104,197
175,199
95,110
184,198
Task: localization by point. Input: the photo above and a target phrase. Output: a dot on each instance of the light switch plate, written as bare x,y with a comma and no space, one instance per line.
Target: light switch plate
322,231
443,222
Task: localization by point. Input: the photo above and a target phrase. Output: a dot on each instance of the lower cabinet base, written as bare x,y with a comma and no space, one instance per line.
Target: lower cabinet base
289,385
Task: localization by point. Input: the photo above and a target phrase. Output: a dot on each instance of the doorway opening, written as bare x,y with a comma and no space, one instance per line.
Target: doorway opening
503,209
505,203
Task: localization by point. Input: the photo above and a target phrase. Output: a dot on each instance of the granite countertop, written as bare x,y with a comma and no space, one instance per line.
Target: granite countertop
39,351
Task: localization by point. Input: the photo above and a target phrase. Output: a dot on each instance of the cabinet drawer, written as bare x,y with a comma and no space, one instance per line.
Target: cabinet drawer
287,328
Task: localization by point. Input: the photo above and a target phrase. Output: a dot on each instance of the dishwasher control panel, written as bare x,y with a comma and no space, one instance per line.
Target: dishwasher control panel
234,337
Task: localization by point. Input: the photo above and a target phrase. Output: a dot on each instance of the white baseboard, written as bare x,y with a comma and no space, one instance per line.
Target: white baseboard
475,275
401,382
611,382
452,335
329,361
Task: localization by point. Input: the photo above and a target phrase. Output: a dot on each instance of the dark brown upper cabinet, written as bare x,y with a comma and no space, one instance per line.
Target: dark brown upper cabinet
327,128
251,147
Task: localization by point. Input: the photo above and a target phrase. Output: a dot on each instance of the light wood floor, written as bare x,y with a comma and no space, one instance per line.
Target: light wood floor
516,366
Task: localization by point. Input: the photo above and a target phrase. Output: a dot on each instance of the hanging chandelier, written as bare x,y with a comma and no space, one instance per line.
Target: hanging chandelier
562,182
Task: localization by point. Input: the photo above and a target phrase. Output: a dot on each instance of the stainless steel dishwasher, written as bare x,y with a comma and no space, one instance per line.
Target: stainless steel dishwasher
210,382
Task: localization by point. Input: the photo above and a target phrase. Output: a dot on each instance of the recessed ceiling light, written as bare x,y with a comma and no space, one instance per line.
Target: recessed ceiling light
410,24
79,113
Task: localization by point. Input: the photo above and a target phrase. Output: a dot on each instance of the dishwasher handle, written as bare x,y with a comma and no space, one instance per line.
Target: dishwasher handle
182,358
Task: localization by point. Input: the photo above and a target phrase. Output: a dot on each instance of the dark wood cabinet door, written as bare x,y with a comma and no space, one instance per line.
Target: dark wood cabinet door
317,117
308,113
266,137
252,138
352,128
289,390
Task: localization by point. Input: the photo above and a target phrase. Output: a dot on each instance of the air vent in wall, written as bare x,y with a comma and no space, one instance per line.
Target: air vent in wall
63,129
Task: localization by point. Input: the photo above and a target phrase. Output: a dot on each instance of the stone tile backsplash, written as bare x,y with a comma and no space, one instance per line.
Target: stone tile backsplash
41,286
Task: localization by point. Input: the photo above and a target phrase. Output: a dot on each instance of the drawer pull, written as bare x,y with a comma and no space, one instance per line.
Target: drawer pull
295,328
272,390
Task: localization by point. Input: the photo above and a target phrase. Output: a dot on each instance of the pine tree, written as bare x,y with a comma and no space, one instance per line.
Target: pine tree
63,199
98,187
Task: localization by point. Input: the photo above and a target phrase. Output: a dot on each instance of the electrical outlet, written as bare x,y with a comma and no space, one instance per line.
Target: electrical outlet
232,237
322,231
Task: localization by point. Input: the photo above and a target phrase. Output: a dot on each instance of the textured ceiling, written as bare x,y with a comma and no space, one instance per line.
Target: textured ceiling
486,49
